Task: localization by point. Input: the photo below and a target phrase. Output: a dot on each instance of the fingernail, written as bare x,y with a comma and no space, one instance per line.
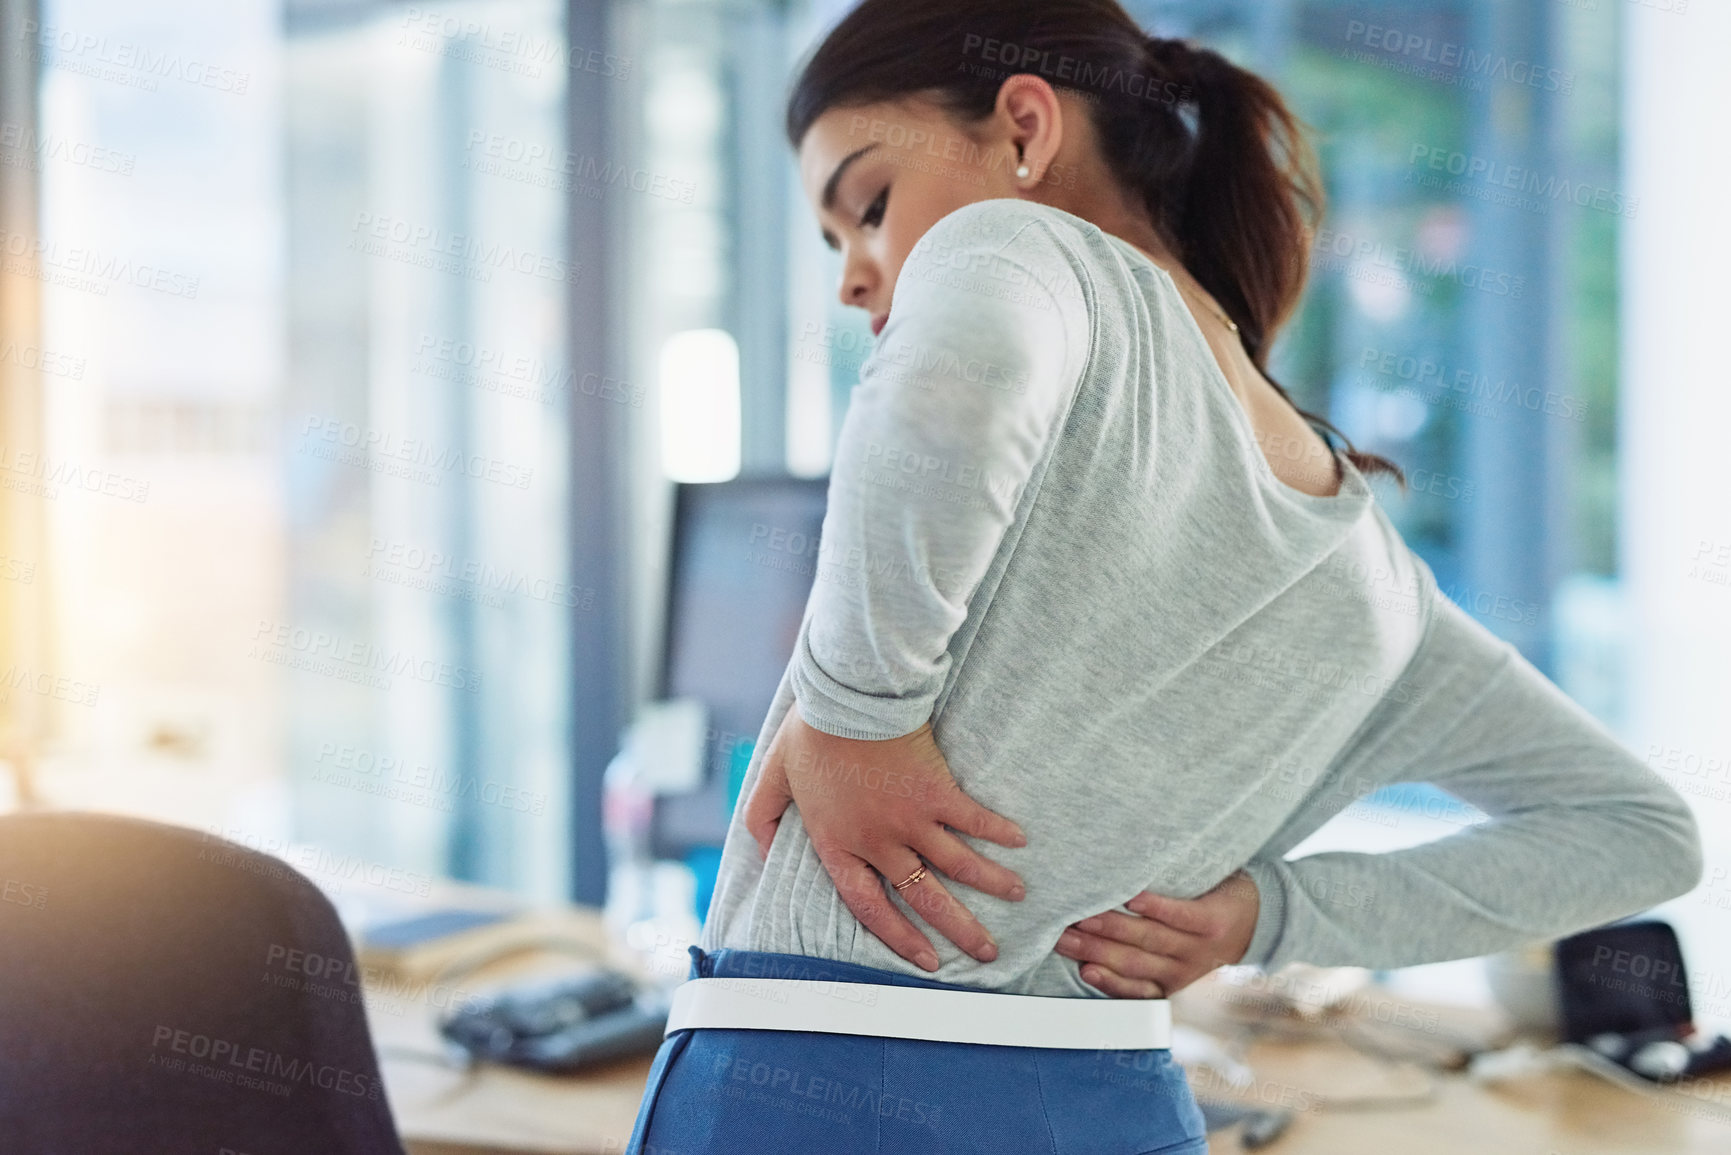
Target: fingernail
1018,893
988,952
1070,940
928,959
1089,924
1021,838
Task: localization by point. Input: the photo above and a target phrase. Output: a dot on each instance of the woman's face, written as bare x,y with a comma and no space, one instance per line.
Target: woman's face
878,176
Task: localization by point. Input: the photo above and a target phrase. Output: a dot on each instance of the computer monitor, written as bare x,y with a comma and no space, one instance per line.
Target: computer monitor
743,560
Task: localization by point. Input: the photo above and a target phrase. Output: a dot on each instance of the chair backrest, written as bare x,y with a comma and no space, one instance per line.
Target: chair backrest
149,999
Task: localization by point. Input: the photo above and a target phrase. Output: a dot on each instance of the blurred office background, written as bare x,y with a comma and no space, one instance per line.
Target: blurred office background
353,352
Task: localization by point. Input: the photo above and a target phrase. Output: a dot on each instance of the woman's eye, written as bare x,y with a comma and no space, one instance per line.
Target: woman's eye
874,213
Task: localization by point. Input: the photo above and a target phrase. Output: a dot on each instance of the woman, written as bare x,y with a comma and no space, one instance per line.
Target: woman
1085,562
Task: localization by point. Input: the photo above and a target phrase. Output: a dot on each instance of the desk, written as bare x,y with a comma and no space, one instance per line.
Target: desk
494,1110
1560,1113
500,1111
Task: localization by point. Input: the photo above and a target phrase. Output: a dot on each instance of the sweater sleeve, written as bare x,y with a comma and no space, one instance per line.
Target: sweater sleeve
1578,831
945,439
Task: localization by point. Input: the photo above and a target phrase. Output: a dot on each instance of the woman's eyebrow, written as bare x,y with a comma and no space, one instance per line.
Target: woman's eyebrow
835,177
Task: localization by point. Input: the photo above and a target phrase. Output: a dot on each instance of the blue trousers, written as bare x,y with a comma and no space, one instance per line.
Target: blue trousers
741,1092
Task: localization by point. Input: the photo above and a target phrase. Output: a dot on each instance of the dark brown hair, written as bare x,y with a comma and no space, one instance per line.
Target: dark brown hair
1228,179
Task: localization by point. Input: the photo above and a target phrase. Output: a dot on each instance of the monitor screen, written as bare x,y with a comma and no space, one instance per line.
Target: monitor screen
744,557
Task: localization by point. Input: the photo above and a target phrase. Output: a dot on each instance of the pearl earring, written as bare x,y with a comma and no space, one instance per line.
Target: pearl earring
1022,171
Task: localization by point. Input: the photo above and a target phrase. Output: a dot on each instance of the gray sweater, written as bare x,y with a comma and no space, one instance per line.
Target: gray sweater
1051,532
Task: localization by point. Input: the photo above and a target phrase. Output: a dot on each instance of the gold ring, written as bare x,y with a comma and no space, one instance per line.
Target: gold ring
912,878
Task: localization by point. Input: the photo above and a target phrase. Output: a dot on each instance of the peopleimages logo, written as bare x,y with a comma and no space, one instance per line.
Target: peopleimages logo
1494,176
430,247
421,780
23,138
537,164
1355,255
511,49
24,894
230,1062
1447,61
403,563
1437,377
39,475
352,659
422,461
88,270
928,467
44,361
59,687
517,375
228,846
1090,76
137,65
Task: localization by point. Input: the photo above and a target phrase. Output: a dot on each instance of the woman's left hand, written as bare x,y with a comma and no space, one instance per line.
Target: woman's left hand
1175,941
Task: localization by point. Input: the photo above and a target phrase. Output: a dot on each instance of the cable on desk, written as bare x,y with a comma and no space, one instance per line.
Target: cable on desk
456,1059
466,1066
1239,1045
463,967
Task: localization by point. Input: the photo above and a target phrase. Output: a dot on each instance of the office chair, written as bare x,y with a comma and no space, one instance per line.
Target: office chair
150,1002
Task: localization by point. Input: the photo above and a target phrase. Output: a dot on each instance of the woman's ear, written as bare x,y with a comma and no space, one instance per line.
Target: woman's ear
1034,117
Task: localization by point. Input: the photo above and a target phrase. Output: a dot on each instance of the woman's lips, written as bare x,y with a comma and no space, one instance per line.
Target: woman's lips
878,324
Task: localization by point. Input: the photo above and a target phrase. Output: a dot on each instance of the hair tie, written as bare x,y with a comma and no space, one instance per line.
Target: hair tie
1176,61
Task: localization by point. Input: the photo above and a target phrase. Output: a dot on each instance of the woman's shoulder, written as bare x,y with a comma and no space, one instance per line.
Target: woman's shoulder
1003,218
1008,238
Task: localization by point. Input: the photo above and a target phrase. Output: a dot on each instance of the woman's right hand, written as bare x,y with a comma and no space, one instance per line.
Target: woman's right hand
873,809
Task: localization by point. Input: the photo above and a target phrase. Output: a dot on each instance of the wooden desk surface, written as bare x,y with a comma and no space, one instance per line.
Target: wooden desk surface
1566,1112
495,1111
1555,1114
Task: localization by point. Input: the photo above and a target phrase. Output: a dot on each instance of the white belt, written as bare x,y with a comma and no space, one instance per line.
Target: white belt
841,1008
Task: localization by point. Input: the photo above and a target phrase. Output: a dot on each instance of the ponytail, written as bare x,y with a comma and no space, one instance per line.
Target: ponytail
1235,198
1219,161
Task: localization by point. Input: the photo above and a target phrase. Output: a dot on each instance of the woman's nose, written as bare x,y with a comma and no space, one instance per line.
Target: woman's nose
856,285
